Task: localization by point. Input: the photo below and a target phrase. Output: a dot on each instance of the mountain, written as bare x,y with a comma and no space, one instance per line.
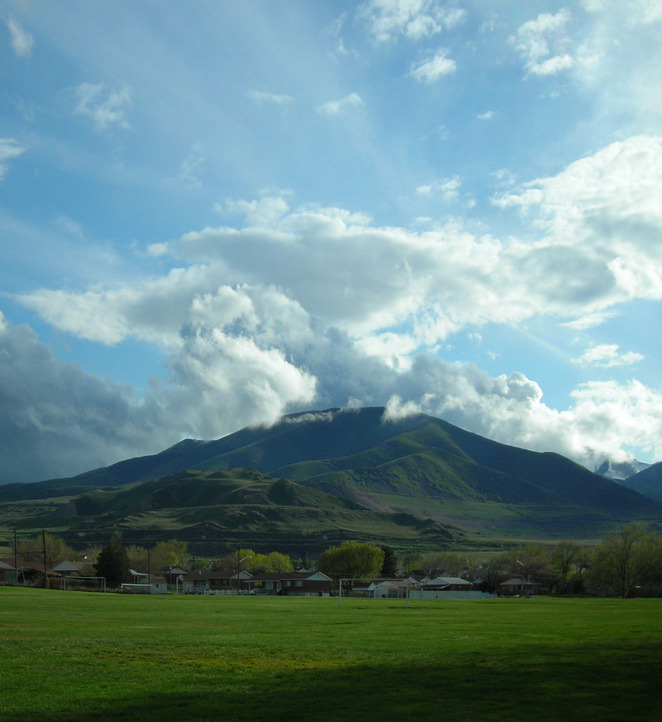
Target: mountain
620,470
647,482
412,471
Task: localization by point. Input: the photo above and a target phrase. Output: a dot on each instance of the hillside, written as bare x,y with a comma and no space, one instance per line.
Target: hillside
647,482
216,512
345,472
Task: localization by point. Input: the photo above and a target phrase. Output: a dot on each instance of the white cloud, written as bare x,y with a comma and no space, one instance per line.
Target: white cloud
191,166
320,305
487,115
617,60
522,199
552,66
336,107
429,71
22,41
396,410
263,96
542,43
9,149
263,212
602,216
104,105
607,356
606,419
599,221
590,321
413,19
448,189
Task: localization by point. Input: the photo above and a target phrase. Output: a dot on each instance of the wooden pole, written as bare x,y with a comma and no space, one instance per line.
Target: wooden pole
15,559
43,534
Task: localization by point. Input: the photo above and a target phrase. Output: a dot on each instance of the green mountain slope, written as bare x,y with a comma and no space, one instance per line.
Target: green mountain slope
215,510
349,463
647,482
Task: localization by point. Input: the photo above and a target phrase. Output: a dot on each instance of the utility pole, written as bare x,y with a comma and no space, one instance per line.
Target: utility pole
43,534
15,559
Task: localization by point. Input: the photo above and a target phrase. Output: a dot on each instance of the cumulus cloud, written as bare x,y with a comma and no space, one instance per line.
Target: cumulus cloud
606,419
429,71
602,216
600,220
103,105
9,149
607,356
66,421
337,107
413,19
541,43
317,306
22,41
63,420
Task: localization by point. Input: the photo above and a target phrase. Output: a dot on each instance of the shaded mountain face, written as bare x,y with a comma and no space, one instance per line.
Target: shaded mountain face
647,482
360,456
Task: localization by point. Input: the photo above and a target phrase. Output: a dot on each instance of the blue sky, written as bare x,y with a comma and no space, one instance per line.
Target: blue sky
215,213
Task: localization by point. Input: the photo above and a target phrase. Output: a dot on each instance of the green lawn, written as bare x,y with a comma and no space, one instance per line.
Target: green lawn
84,656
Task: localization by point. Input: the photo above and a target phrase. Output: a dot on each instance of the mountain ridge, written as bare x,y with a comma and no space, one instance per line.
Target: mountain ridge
356,468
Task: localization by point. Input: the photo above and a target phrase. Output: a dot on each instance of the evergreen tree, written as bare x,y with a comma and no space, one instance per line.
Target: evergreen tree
390,563
113,563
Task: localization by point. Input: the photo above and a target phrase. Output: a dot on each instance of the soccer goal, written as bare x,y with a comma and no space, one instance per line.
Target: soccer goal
83,584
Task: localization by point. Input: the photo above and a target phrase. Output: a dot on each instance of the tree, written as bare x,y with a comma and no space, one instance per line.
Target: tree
565,558
451,564
352,560
272,562
626,560
171,553
56,550
113,563
390,563
137,558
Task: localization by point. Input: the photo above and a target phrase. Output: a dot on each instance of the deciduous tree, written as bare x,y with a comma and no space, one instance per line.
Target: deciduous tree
56,550
352,560
627,559
565,557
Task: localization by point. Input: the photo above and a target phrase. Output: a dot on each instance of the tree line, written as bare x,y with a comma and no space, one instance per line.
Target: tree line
626,562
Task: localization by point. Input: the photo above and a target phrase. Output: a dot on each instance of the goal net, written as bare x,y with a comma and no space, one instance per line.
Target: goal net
84,584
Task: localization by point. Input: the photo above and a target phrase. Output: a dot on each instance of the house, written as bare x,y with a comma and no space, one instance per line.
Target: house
299,584
207,581
517,585
391,588
448,588
27,571
157,585
173,575
446,584
139,577
7,574
66,569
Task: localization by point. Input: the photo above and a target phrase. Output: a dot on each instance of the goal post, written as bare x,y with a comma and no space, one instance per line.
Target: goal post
84,584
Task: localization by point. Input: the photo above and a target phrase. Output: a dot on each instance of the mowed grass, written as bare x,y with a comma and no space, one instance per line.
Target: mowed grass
85,656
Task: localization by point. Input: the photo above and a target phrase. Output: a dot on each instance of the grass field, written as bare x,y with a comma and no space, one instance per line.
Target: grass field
85,656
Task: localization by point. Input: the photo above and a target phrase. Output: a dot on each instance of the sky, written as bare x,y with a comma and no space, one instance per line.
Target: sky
216,213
